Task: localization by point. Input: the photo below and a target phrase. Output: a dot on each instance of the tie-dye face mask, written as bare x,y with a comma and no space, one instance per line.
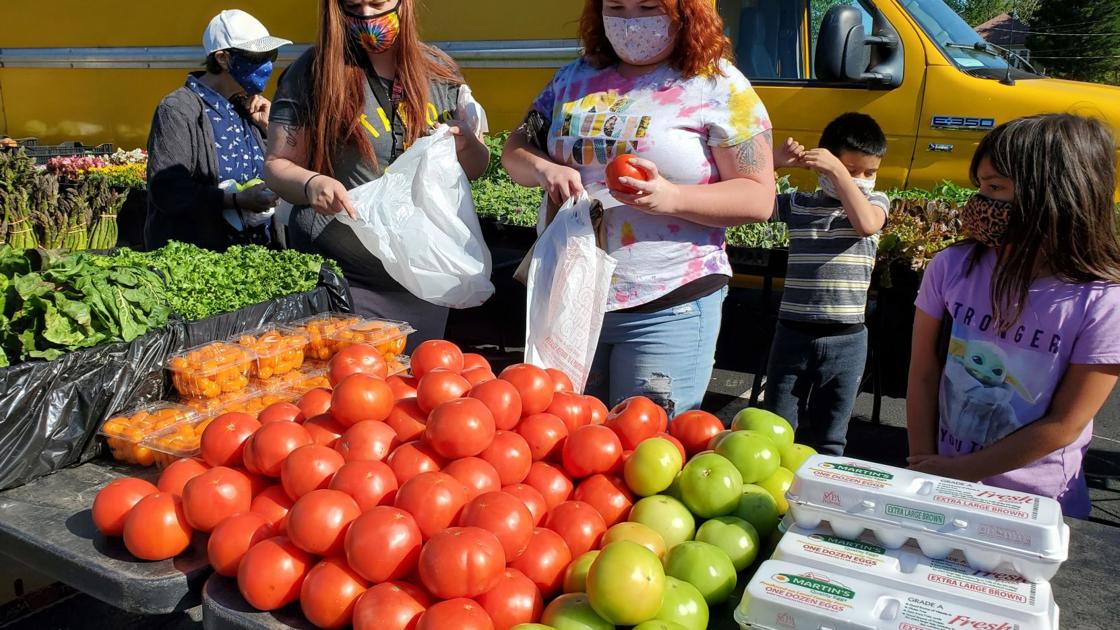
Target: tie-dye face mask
638,41
375,34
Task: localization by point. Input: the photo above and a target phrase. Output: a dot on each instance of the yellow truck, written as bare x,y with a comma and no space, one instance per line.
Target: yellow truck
94,71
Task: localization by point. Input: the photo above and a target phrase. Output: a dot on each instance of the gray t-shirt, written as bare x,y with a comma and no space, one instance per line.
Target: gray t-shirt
311,231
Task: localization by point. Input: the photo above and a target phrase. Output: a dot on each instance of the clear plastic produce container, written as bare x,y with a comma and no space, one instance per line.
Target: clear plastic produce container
994,529
127,432
320,331
211,370
387,336
278,351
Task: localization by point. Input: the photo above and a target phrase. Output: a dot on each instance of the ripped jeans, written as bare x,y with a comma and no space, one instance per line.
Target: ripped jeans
666,356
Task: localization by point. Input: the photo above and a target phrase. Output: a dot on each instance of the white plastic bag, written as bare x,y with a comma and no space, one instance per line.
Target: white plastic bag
569,279
419,220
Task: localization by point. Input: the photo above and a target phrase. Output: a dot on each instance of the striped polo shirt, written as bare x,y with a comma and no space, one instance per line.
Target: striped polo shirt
830,264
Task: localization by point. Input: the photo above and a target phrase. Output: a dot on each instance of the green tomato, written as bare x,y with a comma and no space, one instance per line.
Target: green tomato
573,612
753,453
575,577
652,467
674,489
711,485
683,605
765,422
759,508
644,535
777,485
704,566
666,516
626,584
794,455
736,537
249,184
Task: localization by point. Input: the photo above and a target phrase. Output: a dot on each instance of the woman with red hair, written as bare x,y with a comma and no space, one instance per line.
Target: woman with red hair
344,112
655,80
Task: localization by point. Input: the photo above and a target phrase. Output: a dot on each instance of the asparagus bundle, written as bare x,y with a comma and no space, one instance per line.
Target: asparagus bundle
106,204
76,205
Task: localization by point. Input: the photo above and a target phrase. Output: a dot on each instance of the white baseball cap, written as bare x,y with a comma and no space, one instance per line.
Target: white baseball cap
237,29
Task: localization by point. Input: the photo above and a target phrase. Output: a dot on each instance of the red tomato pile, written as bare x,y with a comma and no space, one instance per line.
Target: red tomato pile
451,499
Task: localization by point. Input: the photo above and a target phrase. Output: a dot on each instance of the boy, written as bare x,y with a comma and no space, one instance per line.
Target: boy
820,346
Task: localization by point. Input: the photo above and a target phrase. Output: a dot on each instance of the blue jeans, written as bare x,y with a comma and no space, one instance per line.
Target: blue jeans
665,356
814,380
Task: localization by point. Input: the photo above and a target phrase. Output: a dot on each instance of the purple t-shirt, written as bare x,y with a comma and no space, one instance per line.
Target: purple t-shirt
994,384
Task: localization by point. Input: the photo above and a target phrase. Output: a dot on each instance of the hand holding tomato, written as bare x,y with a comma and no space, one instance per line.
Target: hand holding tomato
652,193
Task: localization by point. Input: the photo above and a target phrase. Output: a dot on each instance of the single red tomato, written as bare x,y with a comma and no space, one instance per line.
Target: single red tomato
597,412
460,428
560,380
477,476
608,495
461,562
413,458
383,544
515,600
510,455
232,539
329,593
272,572
309,468
532,498
281,412
273,504
472,360
675,442
402,387
436,354
591,450
359,358
571,408
318,521
369,483
695,429
407,420
215,495
634,420
315,402
502,399
545,560
438,387
113,502
434,499
503,515
621,167
460,614
223,440
361,397
551,482
367,441
534,385
272,444
579,524
478,376
390,606
324,430
156,528
175,476
545,434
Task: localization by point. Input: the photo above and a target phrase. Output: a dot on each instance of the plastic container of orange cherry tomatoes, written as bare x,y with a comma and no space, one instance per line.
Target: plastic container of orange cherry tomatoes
321,330
279,351
211,370
387,336
127,433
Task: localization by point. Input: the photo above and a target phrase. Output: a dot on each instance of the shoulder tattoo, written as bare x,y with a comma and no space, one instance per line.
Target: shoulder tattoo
749,155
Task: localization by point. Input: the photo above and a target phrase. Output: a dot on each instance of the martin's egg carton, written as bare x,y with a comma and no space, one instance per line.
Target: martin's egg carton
1028,604
993,528
784,595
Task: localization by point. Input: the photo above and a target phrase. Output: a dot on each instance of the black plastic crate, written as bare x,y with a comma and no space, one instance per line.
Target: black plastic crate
42,153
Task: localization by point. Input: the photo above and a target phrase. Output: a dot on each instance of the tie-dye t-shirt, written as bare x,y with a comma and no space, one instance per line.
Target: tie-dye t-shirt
598,114
995,383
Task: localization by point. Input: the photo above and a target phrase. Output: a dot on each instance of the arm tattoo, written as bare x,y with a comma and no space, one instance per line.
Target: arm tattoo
289,135
750,155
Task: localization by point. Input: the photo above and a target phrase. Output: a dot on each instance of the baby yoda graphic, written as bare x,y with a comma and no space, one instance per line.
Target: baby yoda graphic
977,392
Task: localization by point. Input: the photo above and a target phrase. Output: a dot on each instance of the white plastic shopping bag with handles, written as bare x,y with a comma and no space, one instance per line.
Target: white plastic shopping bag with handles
568,283
418,218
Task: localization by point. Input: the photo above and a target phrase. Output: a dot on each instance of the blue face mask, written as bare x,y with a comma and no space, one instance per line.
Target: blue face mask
253,76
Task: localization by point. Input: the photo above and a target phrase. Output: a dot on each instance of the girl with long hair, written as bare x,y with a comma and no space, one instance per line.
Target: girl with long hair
1033,298
655,80
344,112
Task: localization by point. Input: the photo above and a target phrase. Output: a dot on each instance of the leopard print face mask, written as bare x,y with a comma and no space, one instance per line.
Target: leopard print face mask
985,220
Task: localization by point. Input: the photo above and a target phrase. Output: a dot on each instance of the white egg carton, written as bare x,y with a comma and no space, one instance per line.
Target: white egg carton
1029,604
784,595
993,528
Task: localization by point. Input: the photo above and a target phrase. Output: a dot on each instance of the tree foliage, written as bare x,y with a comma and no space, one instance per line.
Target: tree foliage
1077,40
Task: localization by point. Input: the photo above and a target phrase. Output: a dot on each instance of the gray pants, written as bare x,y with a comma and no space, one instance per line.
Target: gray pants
814,380
429,320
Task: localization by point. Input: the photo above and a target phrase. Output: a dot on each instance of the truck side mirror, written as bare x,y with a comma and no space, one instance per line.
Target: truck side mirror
844,50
